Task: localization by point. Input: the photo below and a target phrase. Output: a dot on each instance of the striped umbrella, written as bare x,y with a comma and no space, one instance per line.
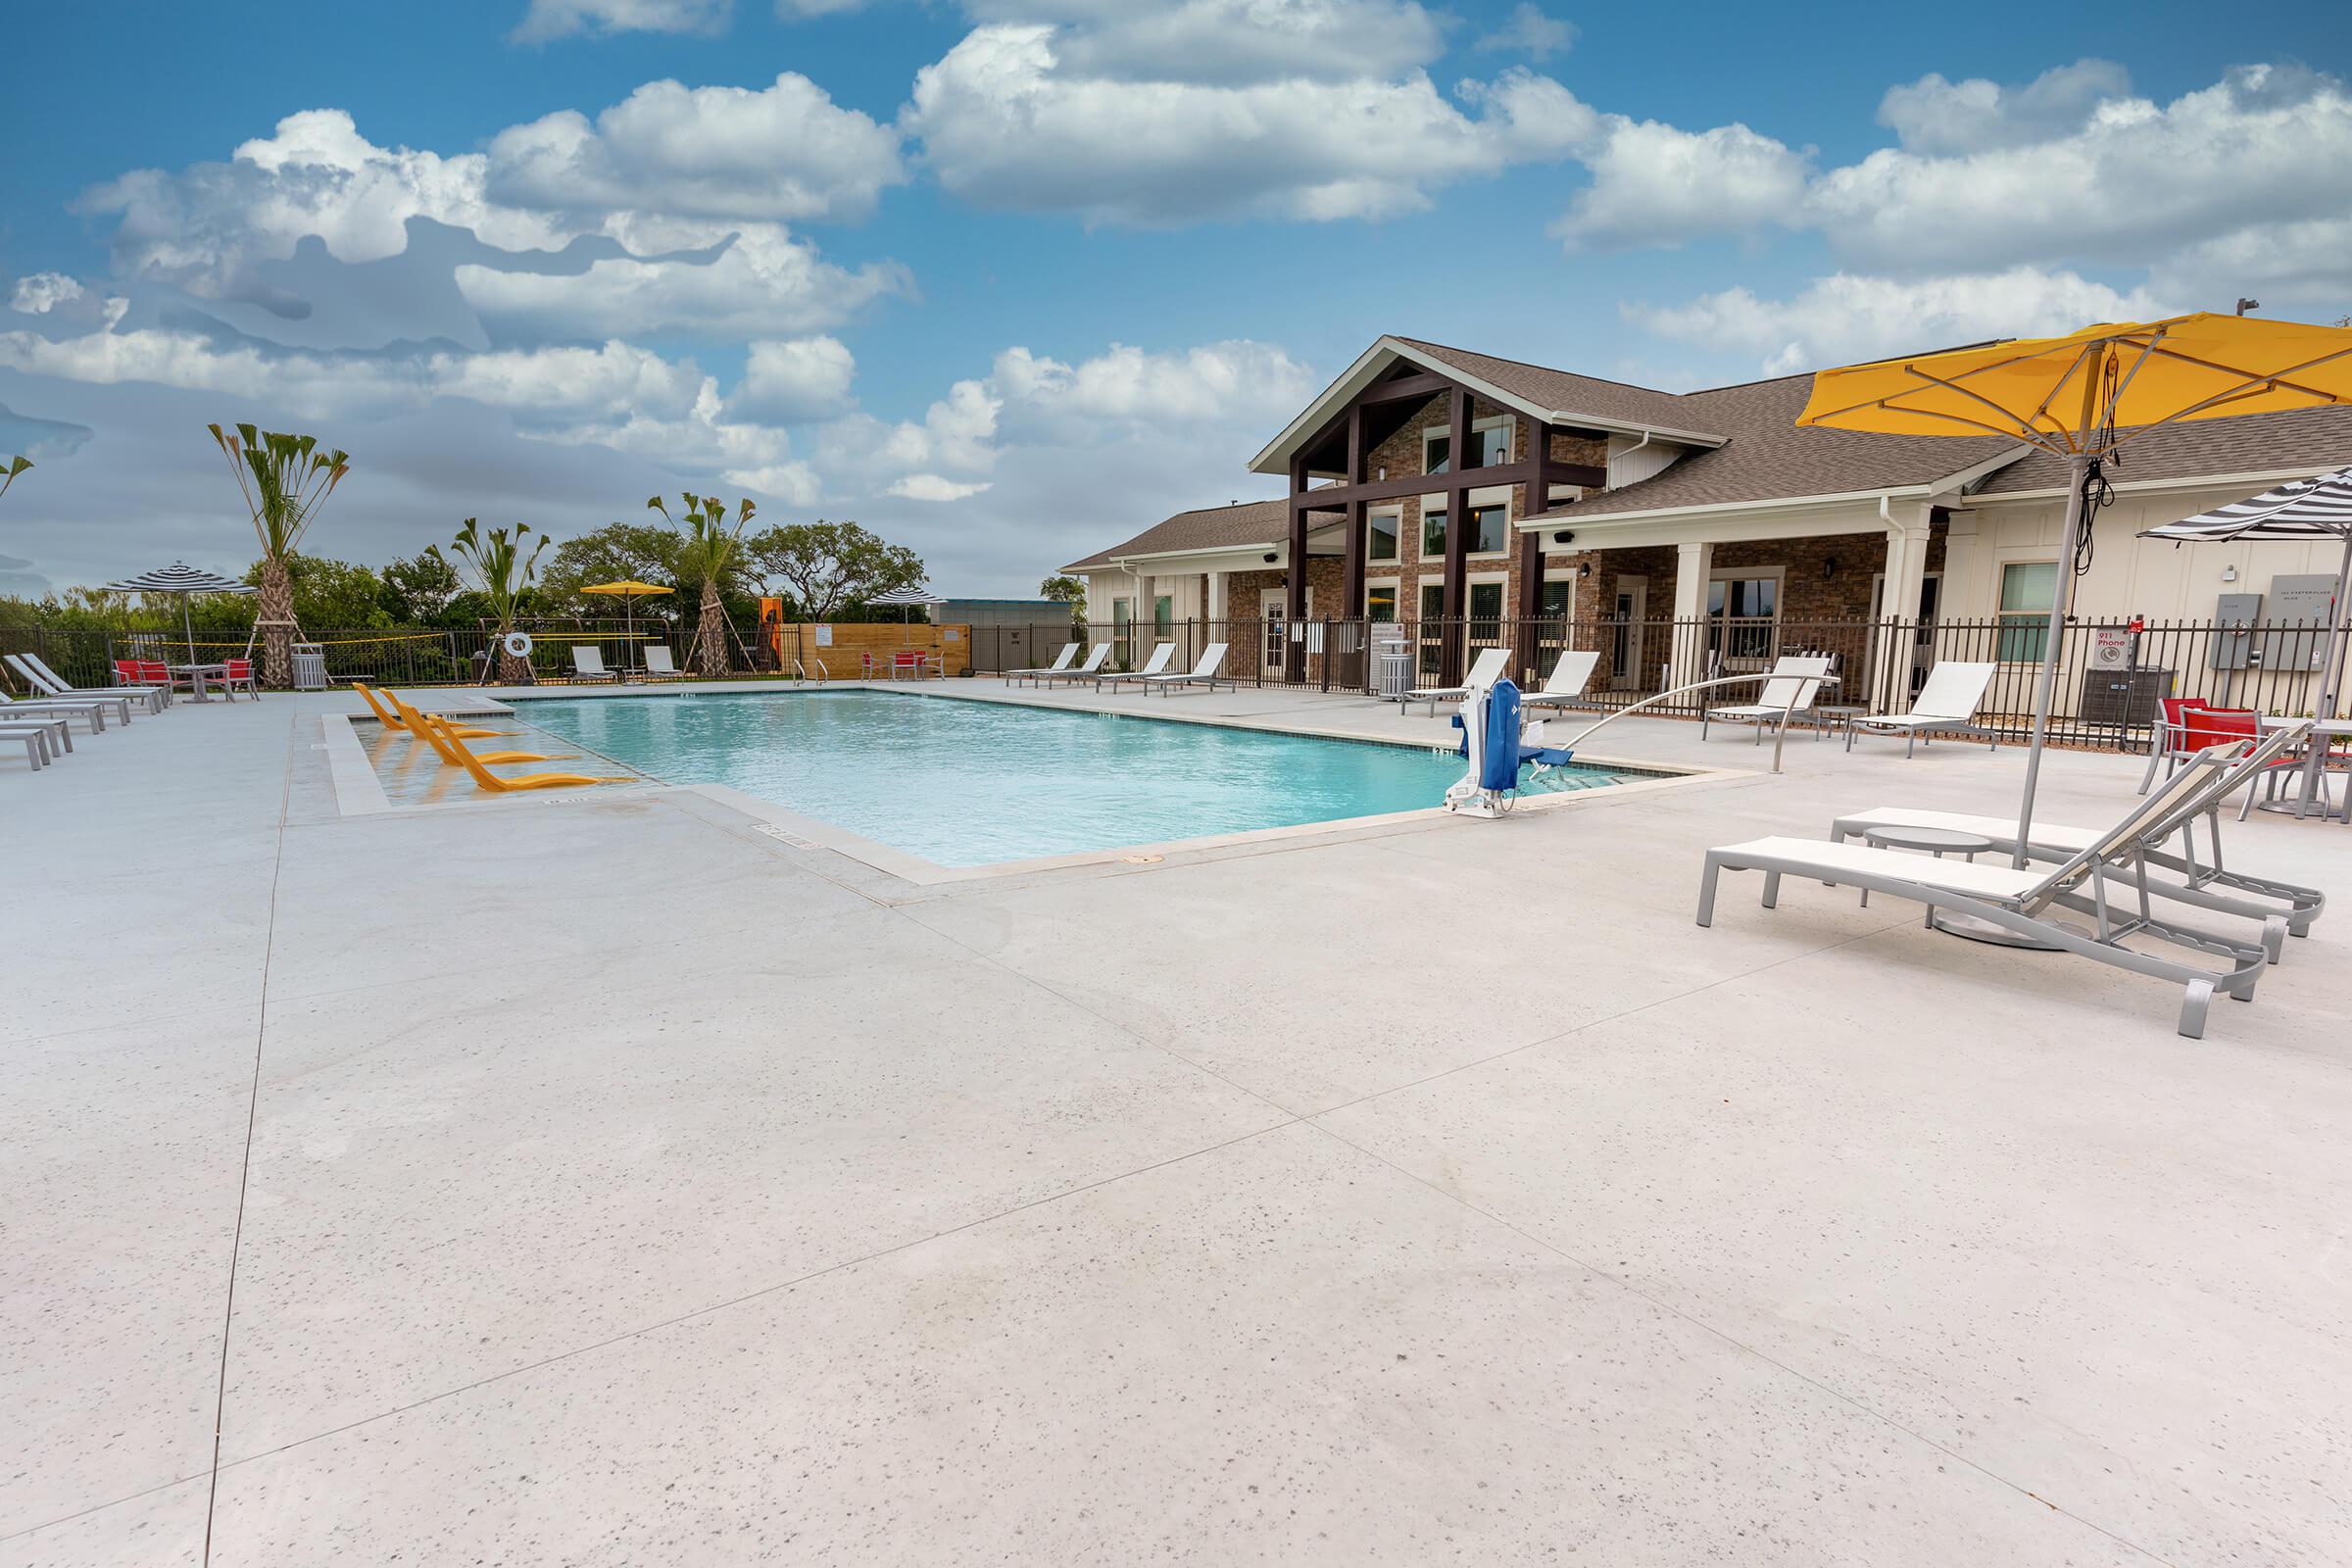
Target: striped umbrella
187,581
906,598
2301,509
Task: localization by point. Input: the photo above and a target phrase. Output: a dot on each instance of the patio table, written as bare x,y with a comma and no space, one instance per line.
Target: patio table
1936,841
2324,734
196,675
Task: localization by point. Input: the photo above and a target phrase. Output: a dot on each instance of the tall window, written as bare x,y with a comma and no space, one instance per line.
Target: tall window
1433,627
1380,536
2028,588
1122,615
1437,454
1490,446
1380,602
1164,613
1740,617
1433,533
1489,529
1486,610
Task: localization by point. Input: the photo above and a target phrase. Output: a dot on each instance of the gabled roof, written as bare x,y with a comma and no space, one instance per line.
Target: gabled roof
1242,525
1554,397
1766,457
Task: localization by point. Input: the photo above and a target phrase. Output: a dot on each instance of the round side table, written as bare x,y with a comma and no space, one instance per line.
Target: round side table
1936,841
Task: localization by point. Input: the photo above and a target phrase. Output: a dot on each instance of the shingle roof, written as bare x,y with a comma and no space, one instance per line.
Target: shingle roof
1245,525
1765,457
2299,439
1560,390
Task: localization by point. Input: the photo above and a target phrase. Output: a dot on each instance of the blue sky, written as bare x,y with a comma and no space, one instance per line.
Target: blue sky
1009,278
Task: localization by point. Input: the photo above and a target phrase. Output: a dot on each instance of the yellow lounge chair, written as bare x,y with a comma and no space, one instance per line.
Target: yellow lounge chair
392,722
436,732
415,724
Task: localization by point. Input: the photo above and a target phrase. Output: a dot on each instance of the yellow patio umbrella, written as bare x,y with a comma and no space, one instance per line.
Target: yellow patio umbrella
628,592
2083,398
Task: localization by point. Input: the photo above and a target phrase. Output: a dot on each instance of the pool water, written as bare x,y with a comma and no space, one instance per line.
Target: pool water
964,783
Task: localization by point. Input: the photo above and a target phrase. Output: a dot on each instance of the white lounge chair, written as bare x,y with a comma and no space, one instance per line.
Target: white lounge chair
588,664
91,711
1061,661
1093,666
2019,899
2199,874
1204,673
46,682
1566,684
1485,670
1795,680
42,738
1157,665
1947,705
658,665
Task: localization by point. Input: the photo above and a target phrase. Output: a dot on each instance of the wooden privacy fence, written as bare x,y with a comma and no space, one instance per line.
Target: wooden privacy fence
848,650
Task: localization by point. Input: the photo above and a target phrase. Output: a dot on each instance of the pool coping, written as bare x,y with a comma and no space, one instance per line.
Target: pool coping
360,792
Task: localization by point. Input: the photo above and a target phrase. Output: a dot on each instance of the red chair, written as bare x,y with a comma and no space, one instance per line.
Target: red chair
126,672
158,672
2169,744
236,672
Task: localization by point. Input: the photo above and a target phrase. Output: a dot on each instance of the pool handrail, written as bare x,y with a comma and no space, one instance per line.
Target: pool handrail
1578,739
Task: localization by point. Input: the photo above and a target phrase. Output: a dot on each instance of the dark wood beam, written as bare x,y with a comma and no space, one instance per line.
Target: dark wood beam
1351,601
1427,384
1334,496
1295,577
1457,539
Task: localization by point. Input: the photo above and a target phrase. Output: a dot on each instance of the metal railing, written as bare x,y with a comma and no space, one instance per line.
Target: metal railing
2110,675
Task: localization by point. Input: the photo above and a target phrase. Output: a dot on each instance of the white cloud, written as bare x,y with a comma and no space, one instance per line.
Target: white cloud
763,283
1934,118
564,384
2300,263
556,19
796,381
316,175
781,152
1653,184
2135,181
42,292
1007,122
1230,41
803,10
1845,318
1531,33
1237,380
932,488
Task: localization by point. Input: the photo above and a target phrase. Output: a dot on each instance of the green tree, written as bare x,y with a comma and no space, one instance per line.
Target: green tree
327,594
831,565
500,569
284,479
615,553
1070,591
420,590
709,548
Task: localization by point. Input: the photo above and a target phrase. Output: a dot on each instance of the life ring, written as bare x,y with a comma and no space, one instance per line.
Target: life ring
517,642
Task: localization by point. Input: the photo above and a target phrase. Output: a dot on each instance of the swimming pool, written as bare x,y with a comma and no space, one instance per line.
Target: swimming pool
966,783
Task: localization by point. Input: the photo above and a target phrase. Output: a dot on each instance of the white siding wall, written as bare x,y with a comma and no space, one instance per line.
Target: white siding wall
2130,575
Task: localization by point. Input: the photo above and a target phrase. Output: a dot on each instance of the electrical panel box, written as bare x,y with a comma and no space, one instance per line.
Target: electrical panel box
2299,610
2232,613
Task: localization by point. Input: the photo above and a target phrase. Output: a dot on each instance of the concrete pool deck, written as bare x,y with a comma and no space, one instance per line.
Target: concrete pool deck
608,1180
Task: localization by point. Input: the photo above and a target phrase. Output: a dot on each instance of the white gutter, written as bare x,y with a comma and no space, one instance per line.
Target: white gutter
2194,481
1601,519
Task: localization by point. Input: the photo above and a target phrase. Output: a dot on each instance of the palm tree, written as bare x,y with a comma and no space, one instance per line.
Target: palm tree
707,548
501,573
284,479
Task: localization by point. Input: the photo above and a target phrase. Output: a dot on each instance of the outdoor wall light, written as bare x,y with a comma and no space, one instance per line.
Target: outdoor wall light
1269,558
1564,537
1828,568
1583,569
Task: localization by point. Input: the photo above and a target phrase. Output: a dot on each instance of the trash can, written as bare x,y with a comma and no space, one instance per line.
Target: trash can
1392,660
309,667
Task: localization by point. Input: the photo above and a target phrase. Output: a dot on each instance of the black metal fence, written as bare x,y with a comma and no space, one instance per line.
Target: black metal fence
2110,675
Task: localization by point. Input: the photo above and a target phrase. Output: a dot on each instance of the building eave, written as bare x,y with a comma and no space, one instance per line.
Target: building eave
2261,478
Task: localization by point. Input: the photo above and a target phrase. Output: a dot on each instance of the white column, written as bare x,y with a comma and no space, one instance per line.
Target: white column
1960,588
1217,584
1693,564
1906,571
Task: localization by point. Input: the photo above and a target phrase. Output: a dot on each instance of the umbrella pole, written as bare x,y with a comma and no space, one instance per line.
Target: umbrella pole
187,629
2325,709
2078,468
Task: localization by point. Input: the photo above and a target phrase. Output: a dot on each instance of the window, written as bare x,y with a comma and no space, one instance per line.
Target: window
1490,531
1559,599
2028,588
1437,453
1433,627
1164,613
1485,608
1122,613
1380,602
1489,444
1380,536
1433,533
1741,611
